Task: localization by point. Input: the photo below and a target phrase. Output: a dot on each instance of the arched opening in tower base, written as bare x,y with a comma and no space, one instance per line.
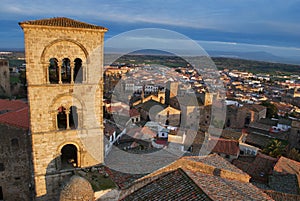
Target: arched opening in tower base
69,156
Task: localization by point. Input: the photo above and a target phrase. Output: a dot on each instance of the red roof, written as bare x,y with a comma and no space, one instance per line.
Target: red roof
12,105
17,113
224,146
133,112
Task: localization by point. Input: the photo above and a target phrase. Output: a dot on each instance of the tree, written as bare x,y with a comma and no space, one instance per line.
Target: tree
275,148
272,111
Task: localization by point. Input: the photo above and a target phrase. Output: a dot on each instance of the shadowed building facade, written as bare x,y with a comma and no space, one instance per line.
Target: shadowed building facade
64,64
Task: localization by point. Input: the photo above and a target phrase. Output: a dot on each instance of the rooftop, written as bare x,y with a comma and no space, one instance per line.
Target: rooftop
14,113
224,146
175,185
259,168
197,176
62,22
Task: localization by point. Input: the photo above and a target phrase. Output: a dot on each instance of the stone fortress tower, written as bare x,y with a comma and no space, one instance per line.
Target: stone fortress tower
64,64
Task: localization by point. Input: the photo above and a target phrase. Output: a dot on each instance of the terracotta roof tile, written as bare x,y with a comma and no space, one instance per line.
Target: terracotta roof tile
259,169
16,113
62,22
211,180
224,146
175,185
287,166
216,161
278,196
11,105
224,189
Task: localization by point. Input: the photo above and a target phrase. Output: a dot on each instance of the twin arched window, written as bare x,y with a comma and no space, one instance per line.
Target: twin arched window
65,71
67,118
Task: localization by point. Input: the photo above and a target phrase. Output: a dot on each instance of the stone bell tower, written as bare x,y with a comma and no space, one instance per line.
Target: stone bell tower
64,67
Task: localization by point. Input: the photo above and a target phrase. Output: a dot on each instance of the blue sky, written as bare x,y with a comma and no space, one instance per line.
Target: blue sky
272,26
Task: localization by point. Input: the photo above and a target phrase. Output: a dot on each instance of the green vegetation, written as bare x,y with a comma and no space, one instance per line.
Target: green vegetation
14,79
169,61
100,181
275,148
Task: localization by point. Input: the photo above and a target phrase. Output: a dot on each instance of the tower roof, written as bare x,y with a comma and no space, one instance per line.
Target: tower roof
62,22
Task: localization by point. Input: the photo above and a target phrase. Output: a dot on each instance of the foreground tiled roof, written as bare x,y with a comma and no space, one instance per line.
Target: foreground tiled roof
278,196
62,22
287,183
259,168
287,166
218,188
16,113
215,160
214,181
175,185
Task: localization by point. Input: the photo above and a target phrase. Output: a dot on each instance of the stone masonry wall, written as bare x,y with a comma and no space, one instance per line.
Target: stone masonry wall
41,44
15,179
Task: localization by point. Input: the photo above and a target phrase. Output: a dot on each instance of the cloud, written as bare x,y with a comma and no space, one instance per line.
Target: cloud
229,16
253,21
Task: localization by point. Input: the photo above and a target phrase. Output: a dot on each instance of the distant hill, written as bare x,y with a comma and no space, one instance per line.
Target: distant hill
221,63
257,56
151,52
256,66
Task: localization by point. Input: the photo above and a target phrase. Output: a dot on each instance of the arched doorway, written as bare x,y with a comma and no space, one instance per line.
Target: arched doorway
69,158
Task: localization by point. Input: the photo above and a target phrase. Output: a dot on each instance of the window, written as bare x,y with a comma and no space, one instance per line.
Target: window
2,167
61,118
66,71
53,71
78,73
67,118
73,117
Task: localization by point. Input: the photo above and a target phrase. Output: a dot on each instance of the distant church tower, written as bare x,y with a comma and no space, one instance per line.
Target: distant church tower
64,67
